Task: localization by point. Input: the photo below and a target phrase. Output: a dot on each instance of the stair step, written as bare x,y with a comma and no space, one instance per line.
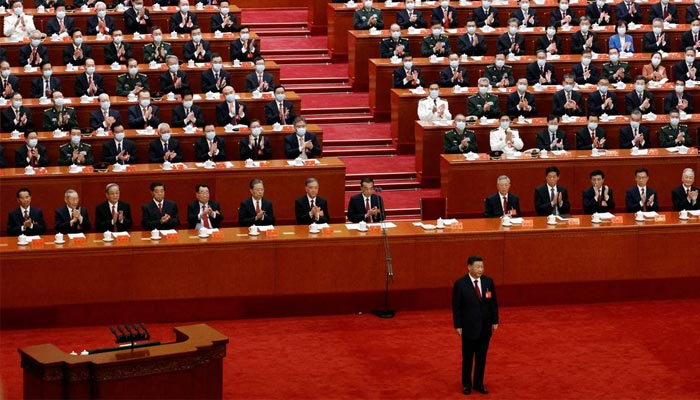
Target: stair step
294,52
403,214
313,79
331,111
358,151
381,175
283,32
342,118
320,88
391,184
357,143
256,26
296,59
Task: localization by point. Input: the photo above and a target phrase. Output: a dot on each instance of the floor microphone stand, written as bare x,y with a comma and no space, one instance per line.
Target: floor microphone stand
386,312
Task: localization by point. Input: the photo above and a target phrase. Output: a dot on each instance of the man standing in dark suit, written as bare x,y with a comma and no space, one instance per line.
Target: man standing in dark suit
410,17
407,76
685,196
119,150
552,138
137,18
183,21
72,218
475,318
366,206
31,153
112,215
174,80
210,146
280,110
641,197
106,117
256,210
186,113
165,148
254,146
552,198
231,111
471,43
599,197
159,213
495,204
259,79
568,101
25,219
584,39
60,23
591,136
446,14
89,83
635,134
541,71
602,101
301,144
215,78
453,75
203,213
224,21
311,208
76,53
118,51
16,116
143,114
521,102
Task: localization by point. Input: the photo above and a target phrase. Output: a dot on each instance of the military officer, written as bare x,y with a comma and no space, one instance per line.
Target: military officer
460,139
436,43
499,74
395,45
615,70
133,81
75,152
675,133
158,50
368,17
483,104
59,116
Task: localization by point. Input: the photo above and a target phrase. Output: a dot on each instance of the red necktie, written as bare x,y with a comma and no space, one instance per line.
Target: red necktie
114,214
26,215
600,196
665,11
505,205
102,29
602,97
160,207
367,208
476,288
644,200
257,206
281,108
447,19
313,204
205,221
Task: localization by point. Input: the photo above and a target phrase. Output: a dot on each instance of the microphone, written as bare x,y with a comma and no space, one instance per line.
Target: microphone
378,189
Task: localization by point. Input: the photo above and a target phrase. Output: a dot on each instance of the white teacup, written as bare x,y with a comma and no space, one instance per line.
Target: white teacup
173,35
228,128
638,216
505,221
74,168
544,153
167,165
682,150
604,117
218,34
249,162
521,119
363,225
298,162
236,63
149,129
440,223
203,232
683,214
257,94
190,63
253,230
58,238
22,239
155,234
635,151
171,96
551,219
15,134
313,228
28,68
189,129
595,218
209,164
107,235
464,58
101,131
28,170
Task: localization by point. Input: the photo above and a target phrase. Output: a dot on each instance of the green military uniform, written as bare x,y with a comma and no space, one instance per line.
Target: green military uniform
152,53
429,42
363,15
609,70
475,106
495,74
126,83
51,119
65,154
388,46
453,140
669,134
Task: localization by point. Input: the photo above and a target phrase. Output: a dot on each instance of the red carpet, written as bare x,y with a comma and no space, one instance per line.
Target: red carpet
400,199
637,350
338,70
334,100
319,43
369,165
356,132
266,15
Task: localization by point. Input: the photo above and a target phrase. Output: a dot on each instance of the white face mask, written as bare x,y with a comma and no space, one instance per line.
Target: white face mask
59,101
256,131
395,34
563,7
158,38
483,89
245,36
674,121
656,30
16,103
603,89
230,98
621,31
5,73
145,103
102,14
210,135
551,32
522,87
217,66
187,103
568,87
552,128
586,61
434,94
408,64
165,136
133,70
184,9
138,7
224,10
614,57
301,131
679,89
454,63
279,96
461,125
36,42
174,68
410,6
196,38
689,59
592,126
437,32
504,125
105,105
486,4
47,73
90,70
584,28
600,4
18,11
541,62
445,4
60,14
368,4
260,67
78,41
75,140
695,29
512,30
118,39
33,142
634,125
500,63
525,6
655,61
639,88
119,136
471,29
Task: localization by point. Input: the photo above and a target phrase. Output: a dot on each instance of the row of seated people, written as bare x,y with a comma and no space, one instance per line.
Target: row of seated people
160,213
174,80
137,18
599,12
513,42
210,146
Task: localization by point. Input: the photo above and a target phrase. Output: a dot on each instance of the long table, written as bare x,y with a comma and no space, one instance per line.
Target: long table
465,184
430,138
283,184
381,72
142,141
296,273
55,48
404,106
194,76
255,107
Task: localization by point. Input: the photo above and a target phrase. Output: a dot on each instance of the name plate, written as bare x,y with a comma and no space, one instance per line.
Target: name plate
574,221
617,219
660,218
528,223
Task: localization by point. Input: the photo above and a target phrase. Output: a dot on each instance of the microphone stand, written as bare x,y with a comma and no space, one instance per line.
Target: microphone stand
386,312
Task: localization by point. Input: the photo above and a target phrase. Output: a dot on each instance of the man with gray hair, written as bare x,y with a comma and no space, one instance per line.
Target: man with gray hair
165,148
112,215
174,80
100,23
502,202
310,208
106,116
72,218
685,196
33,53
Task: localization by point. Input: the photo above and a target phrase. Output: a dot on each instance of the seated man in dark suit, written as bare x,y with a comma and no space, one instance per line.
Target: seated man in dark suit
584,39
89,83
203,213
301,144
230,111
495,204
137,18
143,114
100,23
563,15
244,48
411,17
446,14
9,83
59,24
174,80
602,101
183,21
552,198
224,21
679,99
541,71
511,42
585,72
280,110
550,42
216,78
187,113
119,150
118,51
552,138
16,116
471,43
196,49
525,16
591,136
311,208
628,11
639,98
689,69
256,210
113,214
635,134
72,218
486,16
665,11
692,13
407,76
453,75
165,148
259,79
159,213
599,197
599,13
366,206
106,117
210,146
641,197
685,196
25,219
33,53
521,102
255,146
31,153
656,41
568,101
76,53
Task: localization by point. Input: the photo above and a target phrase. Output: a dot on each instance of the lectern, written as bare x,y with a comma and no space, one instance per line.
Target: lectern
191,367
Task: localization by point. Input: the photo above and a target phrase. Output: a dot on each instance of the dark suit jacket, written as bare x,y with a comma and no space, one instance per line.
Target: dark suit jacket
109,151
439,14
404,21
13,81
593,13
555,17
657,12
38,87
246,213
201,149
480,17
679,197
217,20
15,220
494,209
577,42
246,152
692,12
178,119
176,19
687,39
272,113
534,72
400,75
504,43
650,46
193,214
25,51
22,152
62,221
518,14
151,216
680,70
68,54
8,119
111,53
466,46
252,83
156,153
590,205
302,208
237,53
291,146
52,25
92,23
189,49
446,77
167,84
633,197
223,117
626,137
560,100
543,42
103,217
356,208
209,82
577,70
632,102
136,120
544,141
132,24
97,119
514,99
622,14
595,103
583,138
475,317
81,85
543,206
671,101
